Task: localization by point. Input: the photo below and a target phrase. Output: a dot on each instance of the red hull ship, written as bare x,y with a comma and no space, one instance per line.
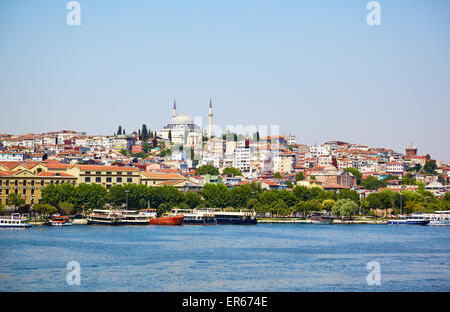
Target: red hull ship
170,220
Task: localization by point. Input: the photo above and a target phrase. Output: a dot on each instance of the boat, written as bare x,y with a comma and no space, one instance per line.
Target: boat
132,217
318,218
197,216
410,220
105,217
167,220
440,217
15,220
58,220
235,217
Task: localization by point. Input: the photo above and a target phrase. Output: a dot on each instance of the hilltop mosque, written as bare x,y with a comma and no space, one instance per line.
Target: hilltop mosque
183,130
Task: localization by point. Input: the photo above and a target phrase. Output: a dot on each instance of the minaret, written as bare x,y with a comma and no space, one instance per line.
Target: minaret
210,119
174,113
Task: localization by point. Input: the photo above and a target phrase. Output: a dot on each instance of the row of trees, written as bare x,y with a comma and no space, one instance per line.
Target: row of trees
69,199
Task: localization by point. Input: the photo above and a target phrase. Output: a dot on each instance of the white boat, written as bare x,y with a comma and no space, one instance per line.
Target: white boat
410,220
197,216
105,217
318,218
130,217
438,217
16,220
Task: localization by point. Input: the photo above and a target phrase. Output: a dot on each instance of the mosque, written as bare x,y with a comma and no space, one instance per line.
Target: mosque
183,130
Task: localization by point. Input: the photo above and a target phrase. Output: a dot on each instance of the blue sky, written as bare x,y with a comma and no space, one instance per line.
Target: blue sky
313,67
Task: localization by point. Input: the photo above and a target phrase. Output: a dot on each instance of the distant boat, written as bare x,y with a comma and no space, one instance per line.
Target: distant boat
15,221
410,220
235,217
132,217
58,220
321,219
167,220
438,217
105,217
197,216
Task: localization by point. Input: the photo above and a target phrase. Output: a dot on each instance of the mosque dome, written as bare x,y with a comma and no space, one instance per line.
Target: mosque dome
330,168
182,122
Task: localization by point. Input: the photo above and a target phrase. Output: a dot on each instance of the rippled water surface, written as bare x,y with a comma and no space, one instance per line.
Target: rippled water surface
265,257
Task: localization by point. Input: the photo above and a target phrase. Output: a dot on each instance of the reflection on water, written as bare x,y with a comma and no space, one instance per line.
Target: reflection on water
295,257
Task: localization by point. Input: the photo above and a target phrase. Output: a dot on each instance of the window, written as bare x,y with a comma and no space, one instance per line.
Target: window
119,180
129,180
108,179
108,173
129,173
87,172
98,173
98,179
87,179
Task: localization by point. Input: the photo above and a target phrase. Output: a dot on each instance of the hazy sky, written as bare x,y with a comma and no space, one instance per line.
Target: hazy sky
313,67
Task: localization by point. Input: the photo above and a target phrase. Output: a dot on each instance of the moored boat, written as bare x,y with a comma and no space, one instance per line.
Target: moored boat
131,217
15,220
235,217
197,216
167,220
410,220
104,217
58,220
438,217
321,219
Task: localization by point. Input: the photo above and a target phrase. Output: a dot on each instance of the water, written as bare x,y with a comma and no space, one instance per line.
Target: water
265,257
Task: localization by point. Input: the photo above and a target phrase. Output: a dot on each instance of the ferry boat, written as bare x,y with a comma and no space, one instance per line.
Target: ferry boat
104,217
438,217
167,220
131,217
235,217
321,219
58,220
197,216
16,220
410,220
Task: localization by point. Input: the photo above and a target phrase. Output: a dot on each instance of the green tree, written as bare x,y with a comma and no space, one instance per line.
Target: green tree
119,131
144,133
90,196
240,195
65,209
145,147
430,167
231,171
301,192
372,183
344,208
45,210
170,135
356,173
328,204
15,200
349,194
277,175
207,169
192,199
124,152
216,195
299,176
